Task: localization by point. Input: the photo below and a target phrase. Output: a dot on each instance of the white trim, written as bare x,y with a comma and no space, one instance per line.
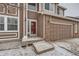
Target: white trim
12,7
5,27
75,28
18,24
9,36
31,9
24,13
49,7
5,24
60,23
30,20
3,9
27,22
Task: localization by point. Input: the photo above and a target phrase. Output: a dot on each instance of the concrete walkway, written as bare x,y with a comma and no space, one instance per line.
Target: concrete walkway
29,51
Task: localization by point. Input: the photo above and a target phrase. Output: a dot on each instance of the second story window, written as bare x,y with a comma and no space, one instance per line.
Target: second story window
49,6
58,11
1,23
32,6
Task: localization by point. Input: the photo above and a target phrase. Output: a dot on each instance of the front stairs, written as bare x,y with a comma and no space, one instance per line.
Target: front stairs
29,40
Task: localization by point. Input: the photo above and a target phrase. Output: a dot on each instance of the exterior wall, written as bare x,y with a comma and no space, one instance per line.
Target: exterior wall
39,18
21,20
40,25
32,15
10,10
47,27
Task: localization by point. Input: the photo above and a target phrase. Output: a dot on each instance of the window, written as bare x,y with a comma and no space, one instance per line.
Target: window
12,23
8,23
47,6
51,6
32,6
58,11
1,23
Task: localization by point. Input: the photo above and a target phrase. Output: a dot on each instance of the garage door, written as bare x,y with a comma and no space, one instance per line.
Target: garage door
61,31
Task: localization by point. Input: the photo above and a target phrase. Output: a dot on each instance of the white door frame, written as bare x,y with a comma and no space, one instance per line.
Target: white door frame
30,20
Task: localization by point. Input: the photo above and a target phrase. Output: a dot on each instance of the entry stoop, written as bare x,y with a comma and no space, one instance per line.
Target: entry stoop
29,40
42,46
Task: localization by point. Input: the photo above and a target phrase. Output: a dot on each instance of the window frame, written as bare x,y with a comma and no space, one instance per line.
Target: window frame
59,11
31,9
3,23
6,24
50,5
12,24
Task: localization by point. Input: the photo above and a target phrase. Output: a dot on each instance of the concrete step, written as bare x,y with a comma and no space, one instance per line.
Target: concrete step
42,46
29,40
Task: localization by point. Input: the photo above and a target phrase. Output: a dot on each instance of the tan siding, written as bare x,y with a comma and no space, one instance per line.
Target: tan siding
40,25
47,28
5,35
32,15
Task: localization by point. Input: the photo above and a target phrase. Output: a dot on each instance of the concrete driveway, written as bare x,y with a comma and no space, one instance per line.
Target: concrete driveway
71,45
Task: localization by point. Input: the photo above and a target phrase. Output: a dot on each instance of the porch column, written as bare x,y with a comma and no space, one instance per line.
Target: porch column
25,20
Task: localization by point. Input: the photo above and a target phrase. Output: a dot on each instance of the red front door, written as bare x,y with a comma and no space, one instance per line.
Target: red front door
33,27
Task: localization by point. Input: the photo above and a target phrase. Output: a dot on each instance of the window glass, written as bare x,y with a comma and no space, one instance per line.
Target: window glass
58,11
51,6
12,23
32,6
1,23
47,6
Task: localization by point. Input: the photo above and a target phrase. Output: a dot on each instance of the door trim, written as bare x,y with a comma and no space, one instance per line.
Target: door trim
34,20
